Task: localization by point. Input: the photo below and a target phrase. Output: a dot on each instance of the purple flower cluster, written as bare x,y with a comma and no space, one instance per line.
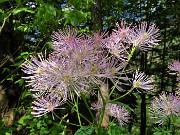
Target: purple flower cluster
80,60
144,36
175,67
118,112
164,106
115,111
46,104
167,104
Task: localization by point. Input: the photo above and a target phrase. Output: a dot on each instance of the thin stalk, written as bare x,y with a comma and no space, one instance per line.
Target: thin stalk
113,88
105,94
66,121
79,119
129,57
103,109
71,105
102,113
124,94
87,106
6,18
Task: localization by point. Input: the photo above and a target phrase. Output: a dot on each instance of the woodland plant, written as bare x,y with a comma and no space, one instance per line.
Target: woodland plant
165,108
80,61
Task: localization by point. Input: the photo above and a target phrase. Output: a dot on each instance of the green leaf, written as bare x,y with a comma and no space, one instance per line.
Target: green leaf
23,119
39,1
54,132
47,16
40,12
1,123
73,109
57,127
88,130
51,10
75,17
1,1
10,79
23,28
18,1
116,130
26,94
39,125
8,133
49,122
24,53
1,18
20,81
44,131
23,10
1,11
102,131
5,131
46,116
75,3
17,64
6,70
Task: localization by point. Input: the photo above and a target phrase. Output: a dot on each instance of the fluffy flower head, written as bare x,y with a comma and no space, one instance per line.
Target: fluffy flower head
114,110
175,66
142,81
46,104
144,36
165,106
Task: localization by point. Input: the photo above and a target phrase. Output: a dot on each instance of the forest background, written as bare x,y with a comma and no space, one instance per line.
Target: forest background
25,30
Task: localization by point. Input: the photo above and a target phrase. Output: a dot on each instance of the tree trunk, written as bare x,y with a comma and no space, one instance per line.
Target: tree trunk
96,16
143,97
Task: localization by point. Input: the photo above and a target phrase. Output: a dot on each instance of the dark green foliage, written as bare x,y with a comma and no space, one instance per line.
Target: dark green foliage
85,131
117,130
4,130
44,126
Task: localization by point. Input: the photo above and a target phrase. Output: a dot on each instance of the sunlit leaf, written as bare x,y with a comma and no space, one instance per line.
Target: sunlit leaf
23,10
51,10
26,94
1,11
20,82
23,119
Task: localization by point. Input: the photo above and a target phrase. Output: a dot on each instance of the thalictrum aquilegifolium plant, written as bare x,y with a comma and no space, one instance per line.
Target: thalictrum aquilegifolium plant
79,61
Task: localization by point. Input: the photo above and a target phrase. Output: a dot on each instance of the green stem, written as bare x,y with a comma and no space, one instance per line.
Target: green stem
71,105
124,94
129,57
4,21
66,121
103,109
87,106
76,104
